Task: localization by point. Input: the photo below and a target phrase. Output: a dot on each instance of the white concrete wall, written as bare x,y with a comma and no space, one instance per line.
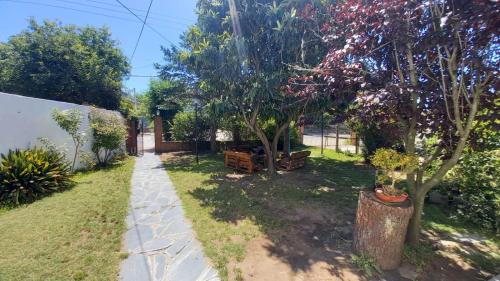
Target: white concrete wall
23,120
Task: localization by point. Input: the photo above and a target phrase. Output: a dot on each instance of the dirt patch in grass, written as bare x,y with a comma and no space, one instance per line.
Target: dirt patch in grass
295,226
310,247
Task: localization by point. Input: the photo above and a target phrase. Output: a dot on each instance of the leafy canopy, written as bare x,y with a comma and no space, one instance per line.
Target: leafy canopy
240,54
81,65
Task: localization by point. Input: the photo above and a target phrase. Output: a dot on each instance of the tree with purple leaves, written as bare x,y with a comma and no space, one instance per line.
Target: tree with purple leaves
428,67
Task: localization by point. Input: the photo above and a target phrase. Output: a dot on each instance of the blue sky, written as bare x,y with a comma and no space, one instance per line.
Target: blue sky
168,17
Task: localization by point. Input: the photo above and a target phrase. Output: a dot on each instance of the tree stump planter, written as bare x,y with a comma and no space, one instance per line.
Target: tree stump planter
380,229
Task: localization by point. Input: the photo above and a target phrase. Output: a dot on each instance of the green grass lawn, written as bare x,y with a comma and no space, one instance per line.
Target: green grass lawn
72,235
229,209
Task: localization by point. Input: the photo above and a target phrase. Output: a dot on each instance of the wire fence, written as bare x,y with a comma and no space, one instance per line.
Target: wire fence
333,136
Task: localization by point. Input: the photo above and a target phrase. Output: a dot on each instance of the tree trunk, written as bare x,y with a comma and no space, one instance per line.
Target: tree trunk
213,138
274,147
286,142
252,125
413,233
77,147
236,135
271,167
380,229
337,149
277,134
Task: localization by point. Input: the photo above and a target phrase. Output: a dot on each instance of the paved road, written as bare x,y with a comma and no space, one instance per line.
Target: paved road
159,240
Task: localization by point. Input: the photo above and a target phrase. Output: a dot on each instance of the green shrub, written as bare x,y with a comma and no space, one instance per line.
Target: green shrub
269,128
167,116
477,179
109,132
182,127
26,175
70,121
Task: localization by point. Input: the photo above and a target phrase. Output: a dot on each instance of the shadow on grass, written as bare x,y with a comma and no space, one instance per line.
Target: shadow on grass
306,214
476,246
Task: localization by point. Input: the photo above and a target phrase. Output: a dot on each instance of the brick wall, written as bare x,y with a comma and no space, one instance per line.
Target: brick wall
162,146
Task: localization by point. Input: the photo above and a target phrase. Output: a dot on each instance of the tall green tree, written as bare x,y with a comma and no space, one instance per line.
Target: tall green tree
194,65
64,62
165,98
244,51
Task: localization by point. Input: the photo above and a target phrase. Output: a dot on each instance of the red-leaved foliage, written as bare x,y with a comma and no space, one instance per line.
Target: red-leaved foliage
400,61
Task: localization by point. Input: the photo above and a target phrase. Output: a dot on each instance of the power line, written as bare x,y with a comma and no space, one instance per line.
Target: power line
92,13
142,29
143,66
160,21
67,8
150,27
137,75
116,11
140,10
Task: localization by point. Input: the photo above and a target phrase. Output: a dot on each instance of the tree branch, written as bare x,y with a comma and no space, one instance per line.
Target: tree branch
447,165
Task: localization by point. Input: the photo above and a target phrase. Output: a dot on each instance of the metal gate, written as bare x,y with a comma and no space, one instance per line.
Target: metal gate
135,138
140,138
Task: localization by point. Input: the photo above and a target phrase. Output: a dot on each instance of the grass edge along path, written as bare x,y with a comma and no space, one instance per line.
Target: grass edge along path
72,235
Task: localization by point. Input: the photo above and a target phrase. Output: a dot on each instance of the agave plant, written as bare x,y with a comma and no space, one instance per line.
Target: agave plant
26,175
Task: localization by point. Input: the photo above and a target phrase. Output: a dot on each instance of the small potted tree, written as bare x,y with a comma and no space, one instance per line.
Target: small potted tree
389,164
380,228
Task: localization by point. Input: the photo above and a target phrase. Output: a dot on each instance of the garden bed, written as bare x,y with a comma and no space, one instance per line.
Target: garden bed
71,235
297,225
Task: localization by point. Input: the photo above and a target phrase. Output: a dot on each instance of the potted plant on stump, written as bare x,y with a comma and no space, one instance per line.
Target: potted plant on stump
383,215
391,166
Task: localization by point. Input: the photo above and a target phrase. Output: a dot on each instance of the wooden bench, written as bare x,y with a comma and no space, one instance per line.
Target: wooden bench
294,161
242,161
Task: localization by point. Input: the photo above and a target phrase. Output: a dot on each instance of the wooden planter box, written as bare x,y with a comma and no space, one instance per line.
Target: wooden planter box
294,161
242,161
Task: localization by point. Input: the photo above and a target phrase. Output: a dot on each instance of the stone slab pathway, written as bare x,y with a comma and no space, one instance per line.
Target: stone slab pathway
159,240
